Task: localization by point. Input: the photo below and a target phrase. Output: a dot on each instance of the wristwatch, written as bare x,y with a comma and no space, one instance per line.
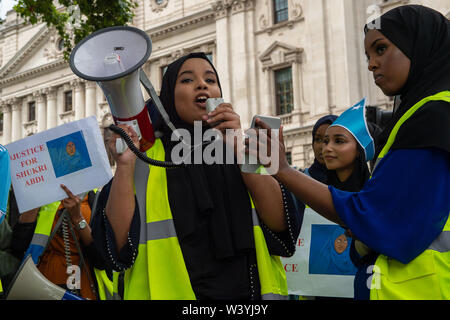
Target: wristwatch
82,224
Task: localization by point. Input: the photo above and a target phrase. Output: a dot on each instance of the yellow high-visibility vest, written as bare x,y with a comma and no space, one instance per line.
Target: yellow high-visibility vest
428,275
159,271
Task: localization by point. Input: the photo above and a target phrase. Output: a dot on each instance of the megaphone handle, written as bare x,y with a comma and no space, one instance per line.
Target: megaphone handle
121,146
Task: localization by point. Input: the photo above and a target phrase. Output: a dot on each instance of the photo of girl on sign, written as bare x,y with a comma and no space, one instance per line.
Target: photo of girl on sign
330,251
69,154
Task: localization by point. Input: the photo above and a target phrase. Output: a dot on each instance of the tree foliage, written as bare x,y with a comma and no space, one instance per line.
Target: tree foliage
76,19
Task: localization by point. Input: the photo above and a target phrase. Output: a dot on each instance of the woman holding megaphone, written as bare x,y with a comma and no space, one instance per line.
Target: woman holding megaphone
200,231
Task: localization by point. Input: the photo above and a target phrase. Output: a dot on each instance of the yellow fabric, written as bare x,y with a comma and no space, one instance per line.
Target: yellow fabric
272,276
444,95
159,271
104,284
428,275
45,218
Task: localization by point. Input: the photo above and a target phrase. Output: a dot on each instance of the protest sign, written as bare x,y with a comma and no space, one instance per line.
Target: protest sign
321,265
72,154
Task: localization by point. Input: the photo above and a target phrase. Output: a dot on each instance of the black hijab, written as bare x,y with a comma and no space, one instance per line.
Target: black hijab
317,170
200,192
423,35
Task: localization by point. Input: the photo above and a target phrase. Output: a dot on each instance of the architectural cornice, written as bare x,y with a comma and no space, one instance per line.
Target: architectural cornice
166,30
32,73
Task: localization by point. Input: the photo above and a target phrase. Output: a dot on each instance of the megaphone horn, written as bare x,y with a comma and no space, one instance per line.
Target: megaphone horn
112,57
30,284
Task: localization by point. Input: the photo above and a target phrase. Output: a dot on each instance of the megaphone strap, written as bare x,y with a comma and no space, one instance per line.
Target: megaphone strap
151,91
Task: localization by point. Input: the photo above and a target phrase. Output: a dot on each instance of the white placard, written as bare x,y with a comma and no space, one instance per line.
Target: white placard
72,154
321,265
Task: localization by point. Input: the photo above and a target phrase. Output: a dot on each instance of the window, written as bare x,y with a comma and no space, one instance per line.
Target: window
280,11
60,44
289,157
163,71
209,56
31,111
284,93
67,101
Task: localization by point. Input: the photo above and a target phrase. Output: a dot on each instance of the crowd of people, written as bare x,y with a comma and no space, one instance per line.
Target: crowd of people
210,231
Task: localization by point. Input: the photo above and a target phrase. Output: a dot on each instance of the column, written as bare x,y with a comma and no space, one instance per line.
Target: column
24,112
16,130
60,102
6,124
254,95
41,111
91,98
268,92
296,86
240,76
223,55
79,99
51,108
316,29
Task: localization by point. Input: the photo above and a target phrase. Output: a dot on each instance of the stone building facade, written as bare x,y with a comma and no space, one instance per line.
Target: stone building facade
297,59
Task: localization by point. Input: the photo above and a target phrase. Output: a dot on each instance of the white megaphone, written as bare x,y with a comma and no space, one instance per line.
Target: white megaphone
112,57
30,284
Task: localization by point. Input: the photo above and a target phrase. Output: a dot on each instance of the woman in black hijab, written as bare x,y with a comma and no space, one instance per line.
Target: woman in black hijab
402,212
318,170
423,36
209,203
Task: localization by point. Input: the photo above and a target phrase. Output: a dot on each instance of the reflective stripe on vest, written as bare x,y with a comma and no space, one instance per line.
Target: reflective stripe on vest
42,231
159,271
428,275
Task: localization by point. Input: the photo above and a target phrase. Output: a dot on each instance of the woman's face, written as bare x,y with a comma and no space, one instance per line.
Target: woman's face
196,82
70,148
340,243
339,149
389,65
318,142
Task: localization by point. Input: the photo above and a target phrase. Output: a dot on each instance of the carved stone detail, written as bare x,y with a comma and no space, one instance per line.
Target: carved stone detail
158,6
297,10
52,51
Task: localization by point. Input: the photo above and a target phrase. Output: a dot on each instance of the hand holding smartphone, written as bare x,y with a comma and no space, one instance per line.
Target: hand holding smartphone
251,164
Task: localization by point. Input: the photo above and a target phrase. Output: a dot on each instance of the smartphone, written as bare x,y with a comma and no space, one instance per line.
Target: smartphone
251,164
